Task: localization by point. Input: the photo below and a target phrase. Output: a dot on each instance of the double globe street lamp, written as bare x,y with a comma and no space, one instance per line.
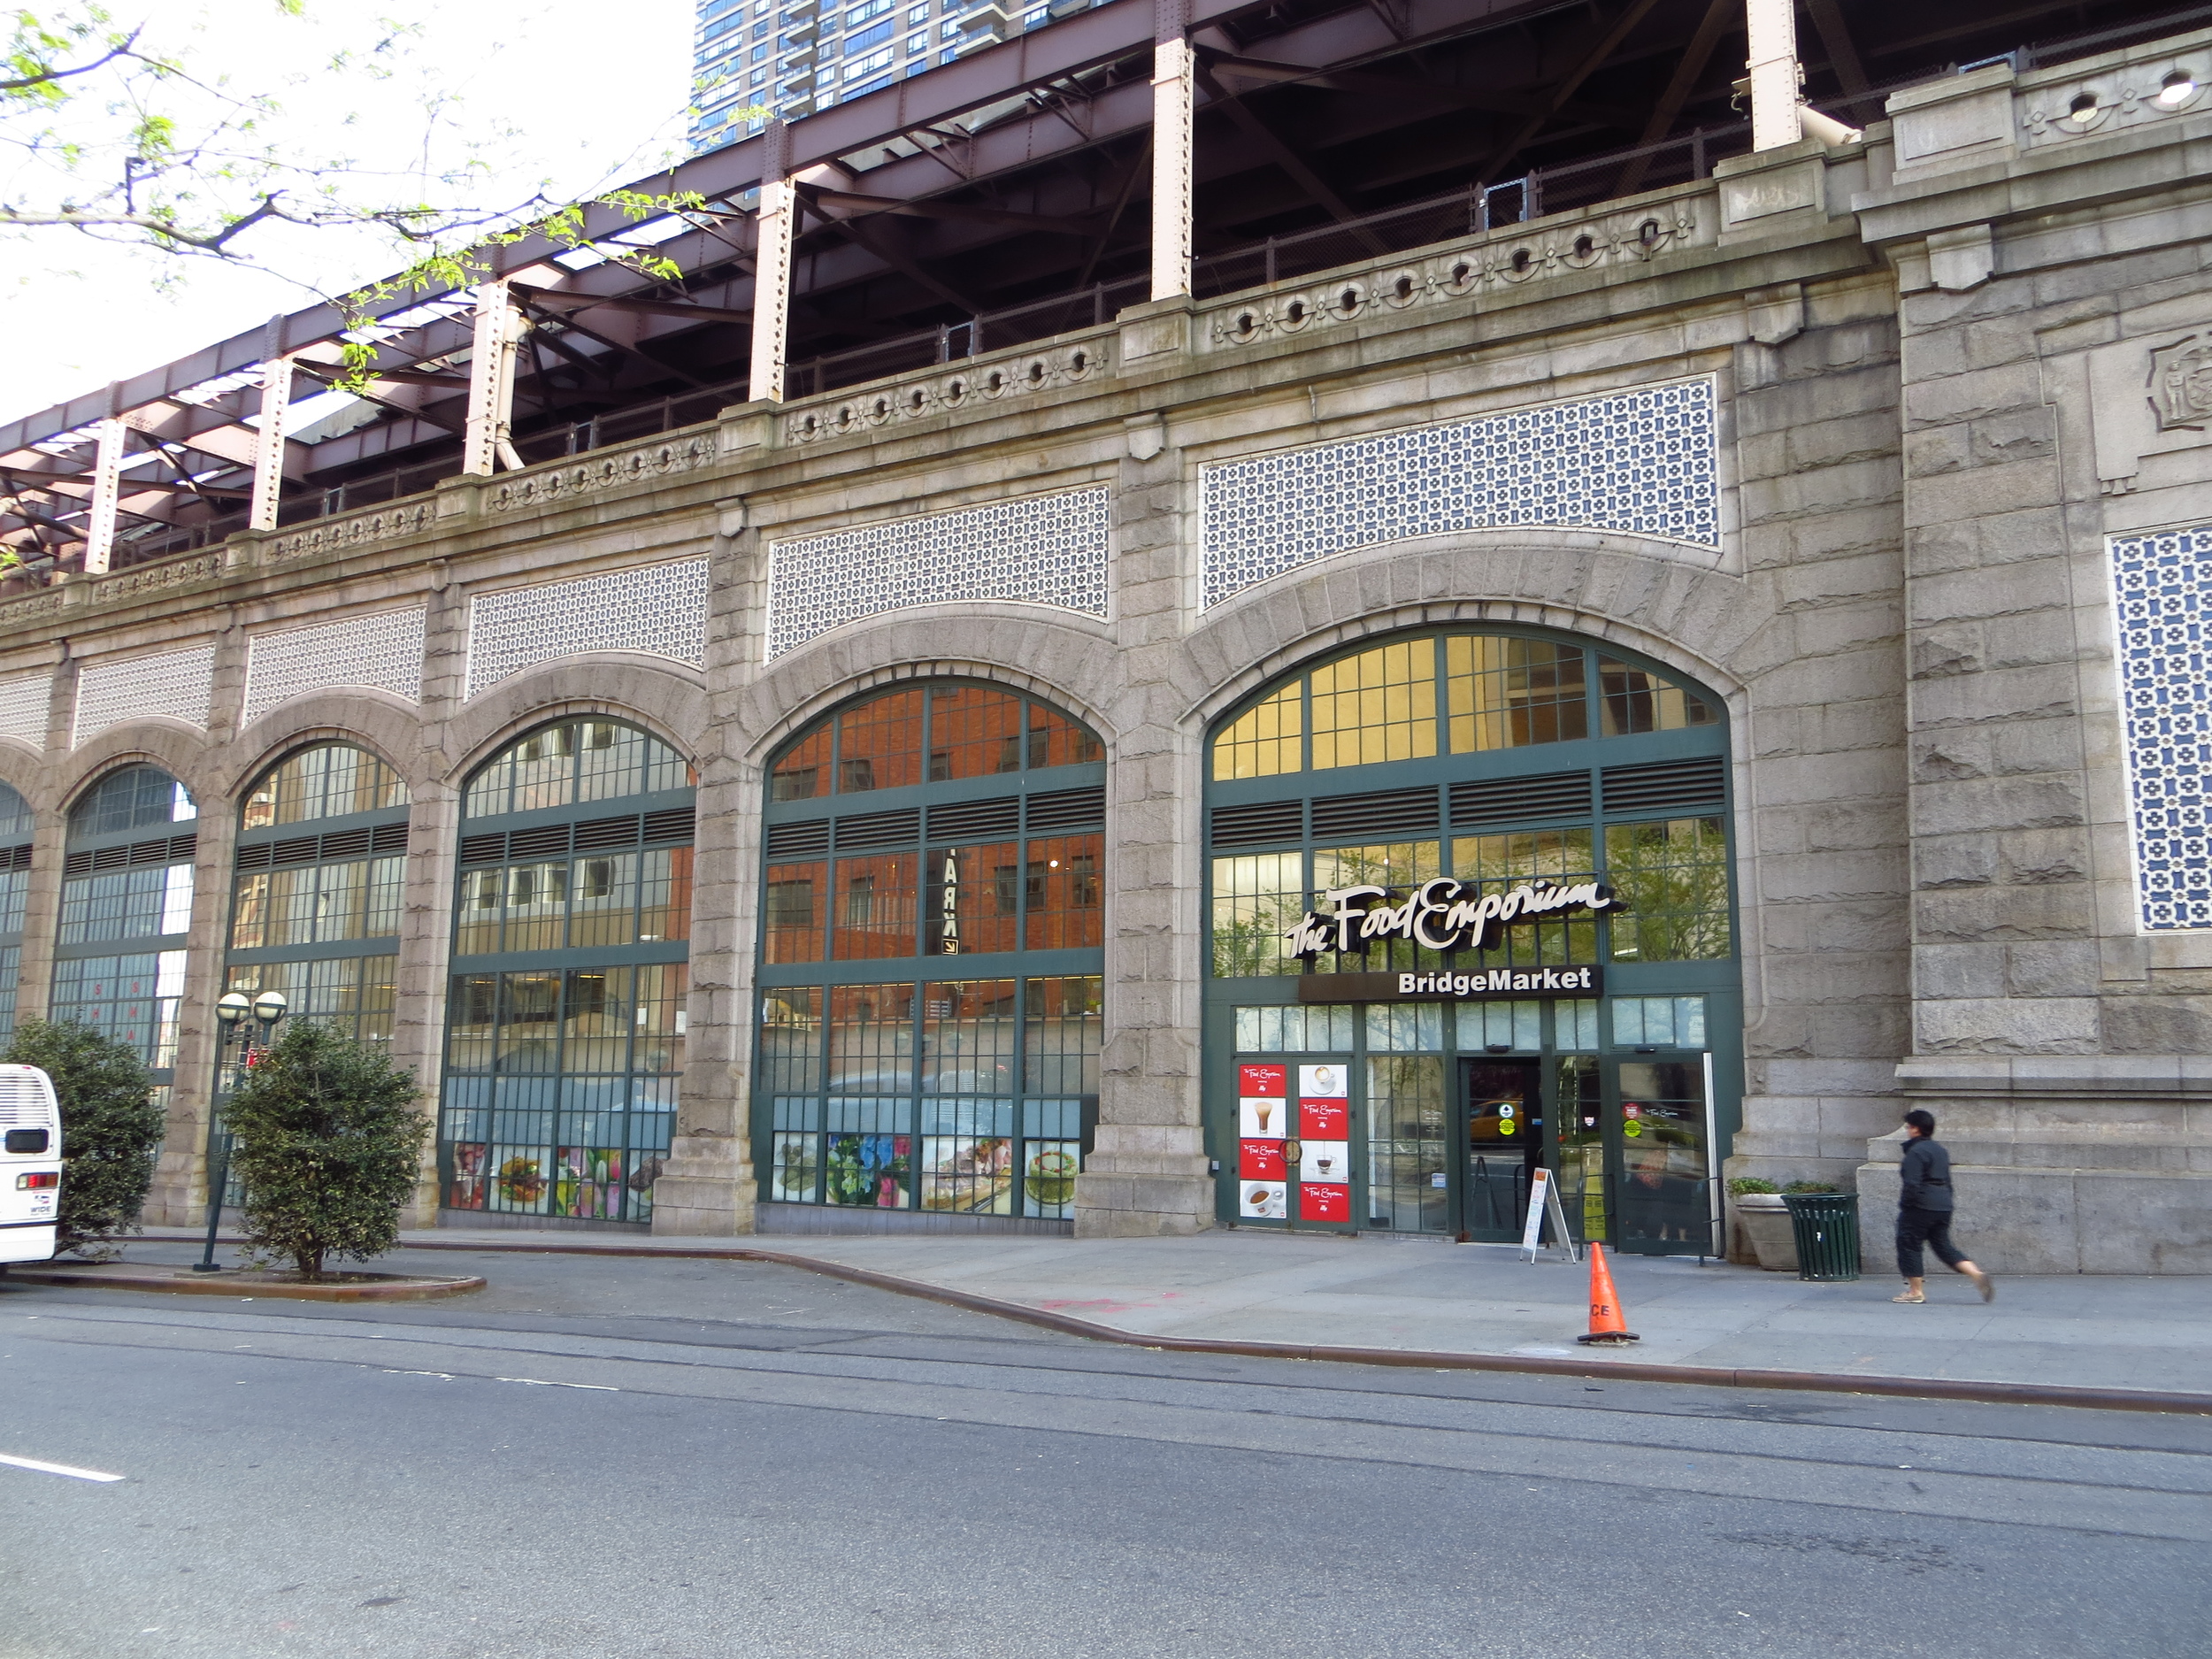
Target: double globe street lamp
251,1023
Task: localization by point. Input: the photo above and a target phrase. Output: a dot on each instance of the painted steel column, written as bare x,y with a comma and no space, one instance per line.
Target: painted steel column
268,454
1775,77
773,231
1174,85
491,405
107,486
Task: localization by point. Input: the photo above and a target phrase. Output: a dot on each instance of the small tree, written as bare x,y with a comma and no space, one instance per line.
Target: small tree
326,1140
110,1129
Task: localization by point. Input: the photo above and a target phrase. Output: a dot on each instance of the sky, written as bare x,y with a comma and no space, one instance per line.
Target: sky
573,91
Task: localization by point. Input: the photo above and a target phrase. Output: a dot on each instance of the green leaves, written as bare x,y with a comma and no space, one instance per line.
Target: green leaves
327,1144
110,1129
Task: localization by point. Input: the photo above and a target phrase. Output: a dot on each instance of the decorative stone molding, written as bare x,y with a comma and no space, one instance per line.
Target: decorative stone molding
24,705
171,572
1643,462
971,385
383,649
2113,99
177,684
1497,262
543,486
660,610
1046,550
33,605
358,530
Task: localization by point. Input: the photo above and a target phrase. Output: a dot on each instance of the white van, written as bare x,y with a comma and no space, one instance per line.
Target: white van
30,1164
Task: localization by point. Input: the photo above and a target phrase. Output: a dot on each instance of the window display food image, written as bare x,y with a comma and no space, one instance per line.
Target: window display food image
1325,1160
1261,1118
1050,1180
967,1176
1261,1200
469,1187
1328,1081
873,1171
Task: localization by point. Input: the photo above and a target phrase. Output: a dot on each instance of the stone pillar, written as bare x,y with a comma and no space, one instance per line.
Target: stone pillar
434,831
1147,1173
708,1186
773,230
1174,83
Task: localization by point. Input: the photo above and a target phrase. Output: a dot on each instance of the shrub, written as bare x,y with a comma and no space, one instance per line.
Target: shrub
1744,1184
326,1140
1812,1187
110,1128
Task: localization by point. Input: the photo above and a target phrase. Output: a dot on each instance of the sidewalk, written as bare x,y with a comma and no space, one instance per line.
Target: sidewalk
1249,1287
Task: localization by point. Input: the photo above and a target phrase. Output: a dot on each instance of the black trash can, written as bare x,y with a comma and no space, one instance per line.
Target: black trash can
1827,1229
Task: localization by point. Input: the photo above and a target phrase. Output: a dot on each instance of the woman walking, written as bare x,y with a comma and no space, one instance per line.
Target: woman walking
1923,1212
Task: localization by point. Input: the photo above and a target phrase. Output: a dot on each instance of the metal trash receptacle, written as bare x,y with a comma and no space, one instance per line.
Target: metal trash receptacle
1827,1229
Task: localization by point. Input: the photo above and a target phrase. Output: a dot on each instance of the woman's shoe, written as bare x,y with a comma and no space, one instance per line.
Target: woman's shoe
1908,1296
1987,1286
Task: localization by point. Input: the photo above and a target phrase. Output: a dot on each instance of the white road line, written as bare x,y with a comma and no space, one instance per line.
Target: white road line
58,1469
540,1382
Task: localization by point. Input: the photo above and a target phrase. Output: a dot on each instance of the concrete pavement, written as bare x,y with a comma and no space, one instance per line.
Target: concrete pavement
2151,1334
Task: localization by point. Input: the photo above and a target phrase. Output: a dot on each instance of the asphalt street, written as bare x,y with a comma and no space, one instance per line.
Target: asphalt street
734,1459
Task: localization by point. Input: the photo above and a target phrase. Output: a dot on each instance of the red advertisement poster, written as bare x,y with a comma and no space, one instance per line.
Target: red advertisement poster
1324,1203
1324,1120
1262,1080
1261,1161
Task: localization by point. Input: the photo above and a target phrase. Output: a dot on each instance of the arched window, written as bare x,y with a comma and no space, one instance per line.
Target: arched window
931,957
1369,792
565,1030
127,913
315,907
17,828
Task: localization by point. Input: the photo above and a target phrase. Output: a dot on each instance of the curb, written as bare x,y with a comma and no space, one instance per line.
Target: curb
1706,1375
187,1283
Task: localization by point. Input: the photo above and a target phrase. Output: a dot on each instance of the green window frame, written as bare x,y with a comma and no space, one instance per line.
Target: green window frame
18,826
566,1016
932,956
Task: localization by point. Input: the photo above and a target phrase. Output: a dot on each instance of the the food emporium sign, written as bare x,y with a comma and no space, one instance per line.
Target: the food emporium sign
1441,915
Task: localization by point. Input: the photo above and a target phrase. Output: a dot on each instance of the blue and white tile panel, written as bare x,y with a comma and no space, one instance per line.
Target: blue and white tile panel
660,610
383,651
1045,550
2161,587
1641,463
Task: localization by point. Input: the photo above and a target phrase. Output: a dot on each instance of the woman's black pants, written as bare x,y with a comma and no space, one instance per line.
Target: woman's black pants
1931,1227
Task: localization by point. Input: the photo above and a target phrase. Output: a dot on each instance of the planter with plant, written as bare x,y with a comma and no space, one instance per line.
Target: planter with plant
1762,1221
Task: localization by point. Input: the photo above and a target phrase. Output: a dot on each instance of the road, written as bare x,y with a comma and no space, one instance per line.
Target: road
726,1460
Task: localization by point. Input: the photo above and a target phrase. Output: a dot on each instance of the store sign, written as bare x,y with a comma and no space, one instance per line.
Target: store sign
1443,914
1476,984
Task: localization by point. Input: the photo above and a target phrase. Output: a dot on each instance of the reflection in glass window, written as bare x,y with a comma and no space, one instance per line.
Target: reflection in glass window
1398,867
1634,700
135,798
880,744
1406,1141
1378,706
574,761
1492,864
131,998
566,1019
1672,876
329,780
974,732
1257,897
1506,693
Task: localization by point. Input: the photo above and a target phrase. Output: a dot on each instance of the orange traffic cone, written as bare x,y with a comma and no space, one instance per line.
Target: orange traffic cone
1606,1323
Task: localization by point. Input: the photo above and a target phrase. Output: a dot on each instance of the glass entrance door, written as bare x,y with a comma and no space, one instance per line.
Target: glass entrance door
1665,1186
1501,1108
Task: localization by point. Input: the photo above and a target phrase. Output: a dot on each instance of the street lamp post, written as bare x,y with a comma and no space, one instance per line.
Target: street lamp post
232,1011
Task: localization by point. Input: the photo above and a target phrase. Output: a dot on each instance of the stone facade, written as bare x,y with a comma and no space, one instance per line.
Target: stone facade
1928,355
